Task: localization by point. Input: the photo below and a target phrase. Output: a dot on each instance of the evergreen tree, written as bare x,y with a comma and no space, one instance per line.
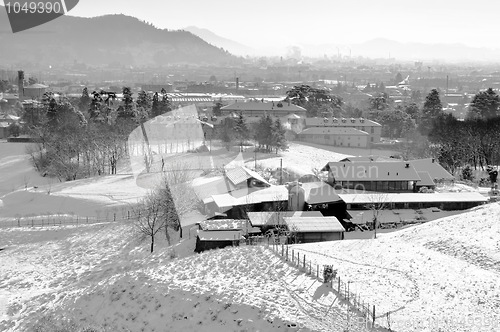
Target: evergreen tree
85,100
278,136
241,130
165,105
485,105
156,105
398,78
430,112
126,110
263,133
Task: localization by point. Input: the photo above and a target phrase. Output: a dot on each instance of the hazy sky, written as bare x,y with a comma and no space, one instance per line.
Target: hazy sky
261,22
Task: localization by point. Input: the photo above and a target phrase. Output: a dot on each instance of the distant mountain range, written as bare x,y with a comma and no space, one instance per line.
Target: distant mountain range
110,39
227,44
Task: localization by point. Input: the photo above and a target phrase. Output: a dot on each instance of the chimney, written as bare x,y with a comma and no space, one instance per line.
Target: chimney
237,83
407,166
20,84
433,160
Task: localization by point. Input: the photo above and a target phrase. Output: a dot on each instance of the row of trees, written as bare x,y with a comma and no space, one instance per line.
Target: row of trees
269,134
87,136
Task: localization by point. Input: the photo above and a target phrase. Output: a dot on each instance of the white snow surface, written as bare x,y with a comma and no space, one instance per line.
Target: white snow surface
440,276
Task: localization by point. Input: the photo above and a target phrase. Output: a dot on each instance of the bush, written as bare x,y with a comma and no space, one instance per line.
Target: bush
467,174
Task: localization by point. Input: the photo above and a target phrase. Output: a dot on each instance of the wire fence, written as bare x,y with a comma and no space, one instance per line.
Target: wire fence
66,219
340,287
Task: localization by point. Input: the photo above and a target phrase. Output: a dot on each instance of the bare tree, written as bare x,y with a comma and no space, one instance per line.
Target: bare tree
377,203
150,216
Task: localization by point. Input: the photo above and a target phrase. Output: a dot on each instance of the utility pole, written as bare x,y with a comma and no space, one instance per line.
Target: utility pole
281,171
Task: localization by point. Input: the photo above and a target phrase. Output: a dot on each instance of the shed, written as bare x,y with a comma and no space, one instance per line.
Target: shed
314,229
206,240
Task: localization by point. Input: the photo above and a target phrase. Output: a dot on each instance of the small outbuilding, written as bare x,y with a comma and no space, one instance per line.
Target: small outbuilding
206,240
314,229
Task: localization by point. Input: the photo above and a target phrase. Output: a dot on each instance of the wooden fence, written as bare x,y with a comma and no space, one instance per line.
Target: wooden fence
340,287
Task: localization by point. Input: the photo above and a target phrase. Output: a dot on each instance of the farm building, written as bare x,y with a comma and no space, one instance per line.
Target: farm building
207,240
335,136
271,219
257,109
4,130
373,176
236,183
373,128
238,202
228,225
443,201
435,171
314,229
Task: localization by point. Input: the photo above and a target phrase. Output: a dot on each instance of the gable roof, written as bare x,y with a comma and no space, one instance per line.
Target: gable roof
206,187
333,131
260,106
248,196
271,218
341,122
425,179
430,165
314,224
241,174
372,171
319,193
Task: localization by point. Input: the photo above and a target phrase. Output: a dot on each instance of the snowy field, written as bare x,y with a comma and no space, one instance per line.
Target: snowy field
301,159
102,276
440,276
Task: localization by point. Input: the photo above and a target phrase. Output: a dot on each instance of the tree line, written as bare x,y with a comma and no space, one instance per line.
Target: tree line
87,136
268,134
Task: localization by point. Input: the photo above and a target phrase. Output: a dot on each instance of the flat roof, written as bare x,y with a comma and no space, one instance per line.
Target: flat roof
220,235
367,198
314,224
260,106
271,218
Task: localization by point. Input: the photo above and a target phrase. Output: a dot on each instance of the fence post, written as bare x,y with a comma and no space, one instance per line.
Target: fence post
310,268
317,271
304,261
298,259
374,315
128,214
114,216
287,253
339,288
282,250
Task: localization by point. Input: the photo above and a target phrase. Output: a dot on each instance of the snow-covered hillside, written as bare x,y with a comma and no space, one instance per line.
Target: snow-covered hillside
100,275
441,276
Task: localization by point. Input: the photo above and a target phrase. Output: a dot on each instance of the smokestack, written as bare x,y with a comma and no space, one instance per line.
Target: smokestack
20,84
237,83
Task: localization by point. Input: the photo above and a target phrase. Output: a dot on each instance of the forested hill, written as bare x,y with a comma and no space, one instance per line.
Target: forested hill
110,39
